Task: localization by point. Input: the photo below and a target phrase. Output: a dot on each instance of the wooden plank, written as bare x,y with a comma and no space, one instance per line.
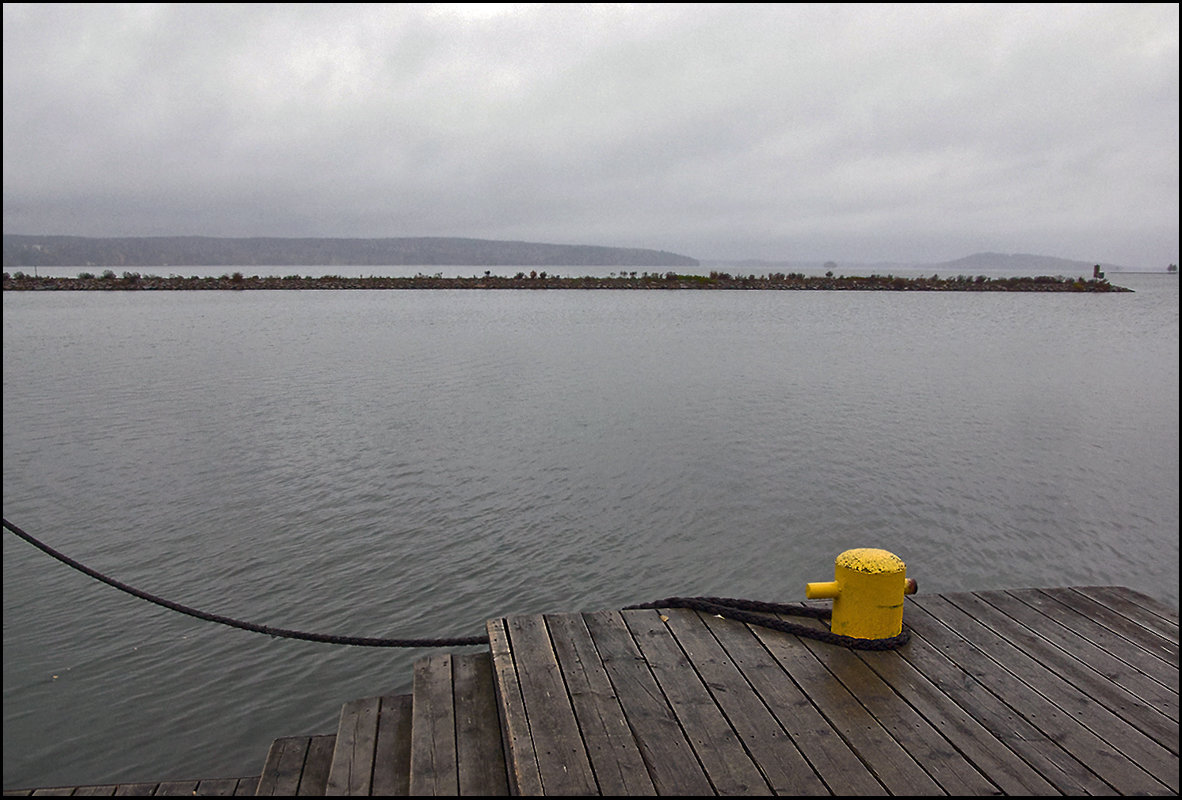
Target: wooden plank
246,787
433,765
558,746
1139,700
946,765
317,763
1063,725
217,787
479,750
284,764
391,767
1096,702
1100,606
889,762
1149,603
717,745
776,756
1136,606
1003,767
613,752
175,788
842,771
351,771
525,777
941,656
1165,676
209,787
671,762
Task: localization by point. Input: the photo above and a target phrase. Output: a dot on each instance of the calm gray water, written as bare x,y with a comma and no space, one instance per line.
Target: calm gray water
413,463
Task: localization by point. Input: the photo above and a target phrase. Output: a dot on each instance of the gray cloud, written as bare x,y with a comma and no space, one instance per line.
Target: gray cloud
855,132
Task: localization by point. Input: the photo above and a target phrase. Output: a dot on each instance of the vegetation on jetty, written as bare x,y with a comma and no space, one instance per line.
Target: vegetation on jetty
134,281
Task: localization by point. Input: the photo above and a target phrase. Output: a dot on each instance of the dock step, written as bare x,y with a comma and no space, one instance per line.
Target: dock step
372,753
296,765
445,739
456,744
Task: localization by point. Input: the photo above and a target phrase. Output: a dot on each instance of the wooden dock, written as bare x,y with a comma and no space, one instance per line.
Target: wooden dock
1031,692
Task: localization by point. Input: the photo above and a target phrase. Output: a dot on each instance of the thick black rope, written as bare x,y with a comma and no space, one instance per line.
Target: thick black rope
359,641
752,611
749,611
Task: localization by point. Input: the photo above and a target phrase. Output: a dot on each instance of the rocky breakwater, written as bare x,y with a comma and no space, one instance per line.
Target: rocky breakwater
133,281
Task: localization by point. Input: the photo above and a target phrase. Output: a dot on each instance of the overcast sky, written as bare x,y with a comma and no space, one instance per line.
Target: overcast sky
844,132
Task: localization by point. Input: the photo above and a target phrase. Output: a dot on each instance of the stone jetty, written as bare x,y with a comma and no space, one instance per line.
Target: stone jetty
134,281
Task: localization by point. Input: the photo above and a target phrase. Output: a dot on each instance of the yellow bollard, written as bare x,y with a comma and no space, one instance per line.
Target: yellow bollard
867,593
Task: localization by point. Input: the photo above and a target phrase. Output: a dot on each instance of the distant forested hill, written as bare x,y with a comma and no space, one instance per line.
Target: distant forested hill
1020,263
1015,263
179,251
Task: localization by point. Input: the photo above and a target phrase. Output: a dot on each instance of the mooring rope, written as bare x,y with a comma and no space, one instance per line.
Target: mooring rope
359,641
749,611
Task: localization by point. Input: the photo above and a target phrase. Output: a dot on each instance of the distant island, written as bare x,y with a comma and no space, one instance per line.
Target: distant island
1014,263
193,251
166,252
133,281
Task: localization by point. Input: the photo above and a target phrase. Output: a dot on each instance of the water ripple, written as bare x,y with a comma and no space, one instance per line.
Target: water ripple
385,464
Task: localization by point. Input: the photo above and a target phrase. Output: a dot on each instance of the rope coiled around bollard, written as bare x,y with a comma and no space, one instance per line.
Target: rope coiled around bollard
751,611
748,611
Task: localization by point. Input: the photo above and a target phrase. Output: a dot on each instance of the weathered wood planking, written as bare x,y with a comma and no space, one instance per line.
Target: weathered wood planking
296,766
391,766
372,750
210,787
455,743
1018,692
1023,692
479,748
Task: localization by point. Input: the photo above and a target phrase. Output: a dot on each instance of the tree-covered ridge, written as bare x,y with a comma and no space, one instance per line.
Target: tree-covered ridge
180,251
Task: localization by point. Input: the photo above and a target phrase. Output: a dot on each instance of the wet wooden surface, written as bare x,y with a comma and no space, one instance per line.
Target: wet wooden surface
1029,691
1036,691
